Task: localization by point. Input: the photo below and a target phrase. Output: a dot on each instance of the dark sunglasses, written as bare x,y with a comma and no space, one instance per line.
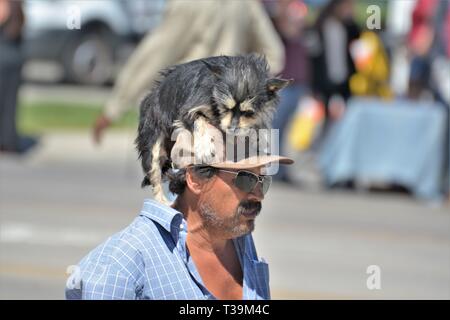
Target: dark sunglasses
247,181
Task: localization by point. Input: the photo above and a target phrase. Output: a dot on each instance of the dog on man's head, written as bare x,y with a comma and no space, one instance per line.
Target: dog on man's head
232,93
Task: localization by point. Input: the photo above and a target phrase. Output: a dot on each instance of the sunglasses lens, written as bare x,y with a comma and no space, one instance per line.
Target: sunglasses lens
245,181
267,181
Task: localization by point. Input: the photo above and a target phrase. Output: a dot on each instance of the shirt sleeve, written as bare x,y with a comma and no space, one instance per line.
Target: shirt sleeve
110,272
108,283
163,47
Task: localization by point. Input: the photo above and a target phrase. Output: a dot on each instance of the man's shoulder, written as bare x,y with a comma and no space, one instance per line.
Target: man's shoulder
116,268
126,245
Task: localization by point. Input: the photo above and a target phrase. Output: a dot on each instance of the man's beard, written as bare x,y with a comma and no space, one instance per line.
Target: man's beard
234,226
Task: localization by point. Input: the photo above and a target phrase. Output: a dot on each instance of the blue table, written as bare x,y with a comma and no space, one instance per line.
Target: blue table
400,142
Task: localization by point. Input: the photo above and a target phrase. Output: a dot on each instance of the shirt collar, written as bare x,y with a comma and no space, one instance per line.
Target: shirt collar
167,217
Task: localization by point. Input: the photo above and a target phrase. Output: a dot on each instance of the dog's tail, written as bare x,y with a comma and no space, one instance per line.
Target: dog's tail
154,176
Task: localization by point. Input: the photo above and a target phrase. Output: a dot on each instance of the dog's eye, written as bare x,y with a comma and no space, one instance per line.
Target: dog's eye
248,113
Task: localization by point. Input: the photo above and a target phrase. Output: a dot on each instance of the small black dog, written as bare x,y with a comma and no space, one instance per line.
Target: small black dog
232,93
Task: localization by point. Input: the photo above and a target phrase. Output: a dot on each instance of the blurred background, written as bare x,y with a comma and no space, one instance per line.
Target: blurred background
366,119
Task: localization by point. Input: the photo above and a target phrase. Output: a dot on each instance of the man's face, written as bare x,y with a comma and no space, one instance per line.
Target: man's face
227,210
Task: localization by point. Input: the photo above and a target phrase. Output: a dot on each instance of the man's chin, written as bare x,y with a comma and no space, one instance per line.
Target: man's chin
244,228
248,227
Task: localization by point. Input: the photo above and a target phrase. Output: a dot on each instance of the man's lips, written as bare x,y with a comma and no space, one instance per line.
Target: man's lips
250,213
250,209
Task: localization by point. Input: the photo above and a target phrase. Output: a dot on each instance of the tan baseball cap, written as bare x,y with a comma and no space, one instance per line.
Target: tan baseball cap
209,146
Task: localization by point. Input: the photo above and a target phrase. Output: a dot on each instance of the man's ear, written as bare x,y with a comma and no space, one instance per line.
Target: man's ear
193,182
275,84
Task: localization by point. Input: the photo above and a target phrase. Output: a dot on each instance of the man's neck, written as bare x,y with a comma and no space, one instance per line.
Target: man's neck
215,257
198,235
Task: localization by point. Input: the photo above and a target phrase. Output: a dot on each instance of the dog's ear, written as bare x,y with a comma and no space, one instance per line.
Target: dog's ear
216,70
275,84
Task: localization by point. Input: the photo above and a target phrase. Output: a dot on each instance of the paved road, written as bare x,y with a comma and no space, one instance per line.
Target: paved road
67,196
64,93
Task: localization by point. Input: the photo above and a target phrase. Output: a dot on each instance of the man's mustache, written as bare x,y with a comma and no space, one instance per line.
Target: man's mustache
249,206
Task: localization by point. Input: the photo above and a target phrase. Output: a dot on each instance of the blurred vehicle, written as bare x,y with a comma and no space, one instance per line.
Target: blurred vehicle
108,32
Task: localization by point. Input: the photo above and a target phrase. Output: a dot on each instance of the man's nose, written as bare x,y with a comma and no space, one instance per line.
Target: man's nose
256,194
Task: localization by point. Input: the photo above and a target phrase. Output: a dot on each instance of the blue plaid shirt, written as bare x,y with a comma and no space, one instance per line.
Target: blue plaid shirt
149,260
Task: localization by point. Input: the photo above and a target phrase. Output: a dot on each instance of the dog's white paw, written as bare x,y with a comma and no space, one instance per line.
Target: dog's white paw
205,151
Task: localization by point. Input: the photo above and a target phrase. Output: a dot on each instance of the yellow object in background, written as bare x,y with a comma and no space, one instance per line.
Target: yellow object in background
306,124
372,67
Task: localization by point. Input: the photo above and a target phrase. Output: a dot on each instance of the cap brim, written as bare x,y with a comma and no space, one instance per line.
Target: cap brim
253,162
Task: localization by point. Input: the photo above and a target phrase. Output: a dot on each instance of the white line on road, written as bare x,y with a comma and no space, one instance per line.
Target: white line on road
30,234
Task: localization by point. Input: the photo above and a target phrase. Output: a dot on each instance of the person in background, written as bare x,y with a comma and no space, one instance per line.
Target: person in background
428,40
11,60
429,45
192,30
288,17
333,66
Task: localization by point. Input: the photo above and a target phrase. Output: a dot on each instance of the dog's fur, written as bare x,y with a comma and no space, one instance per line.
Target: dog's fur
230,92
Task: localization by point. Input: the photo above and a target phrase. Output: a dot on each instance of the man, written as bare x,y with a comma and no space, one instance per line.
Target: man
201,246
192,30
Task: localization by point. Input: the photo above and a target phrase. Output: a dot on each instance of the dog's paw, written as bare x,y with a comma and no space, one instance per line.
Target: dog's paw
205,151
